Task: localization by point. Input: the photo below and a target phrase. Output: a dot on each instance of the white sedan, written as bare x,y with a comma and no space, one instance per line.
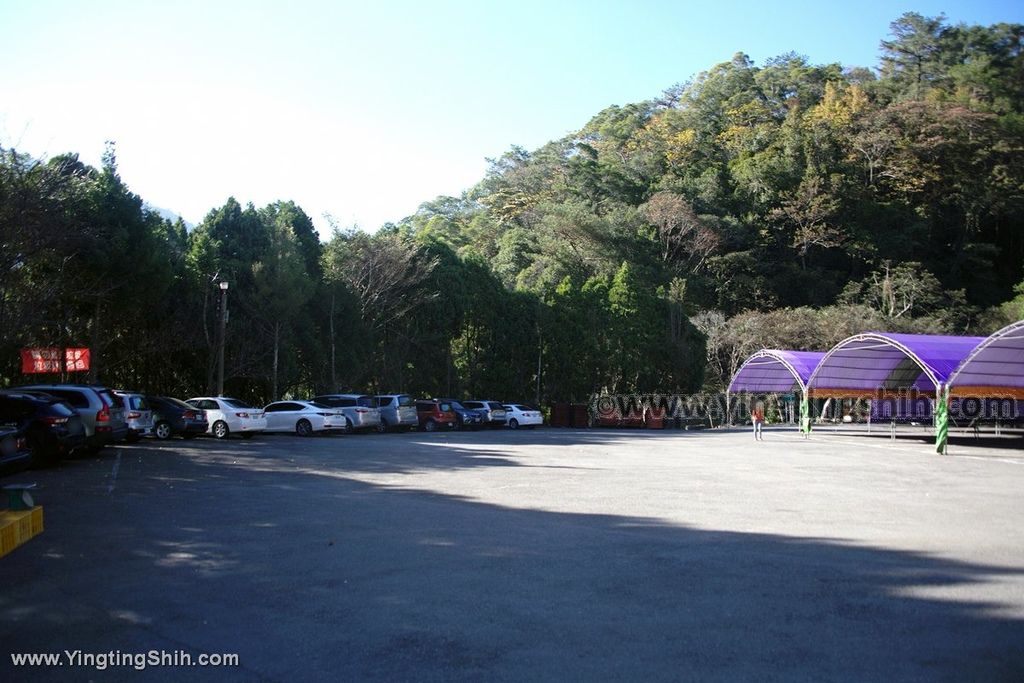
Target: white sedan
518,415
228,416
302,418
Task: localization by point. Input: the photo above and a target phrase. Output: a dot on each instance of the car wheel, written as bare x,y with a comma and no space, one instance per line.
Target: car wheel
383,426
162,430
513,423
431,426
42,456
303,428
220,429
347,429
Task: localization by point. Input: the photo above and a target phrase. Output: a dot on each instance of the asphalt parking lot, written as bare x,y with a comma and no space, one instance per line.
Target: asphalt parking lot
551,554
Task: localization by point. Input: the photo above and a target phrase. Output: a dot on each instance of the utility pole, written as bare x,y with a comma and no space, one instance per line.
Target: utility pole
223,332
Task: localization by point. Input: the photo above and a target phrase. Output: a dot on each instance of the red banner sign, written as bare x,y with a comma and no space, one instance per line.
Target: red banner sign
76,360
54,360
41,360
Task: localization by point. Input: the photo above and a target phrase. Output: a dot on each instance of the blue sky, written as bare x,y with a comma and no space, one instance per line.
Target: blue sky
364,110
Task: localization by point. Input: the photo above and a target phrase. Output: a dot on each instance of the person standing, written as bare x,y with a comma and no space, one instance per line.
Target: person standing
757,415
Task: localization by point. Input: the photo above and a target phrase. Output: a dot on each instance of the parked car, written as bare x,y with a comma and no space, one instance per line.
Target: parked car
523,416
14,452
137,414
173,417
303,417
397,411
494,412
434,414
52,427
227,416
101,412
360,409
468,417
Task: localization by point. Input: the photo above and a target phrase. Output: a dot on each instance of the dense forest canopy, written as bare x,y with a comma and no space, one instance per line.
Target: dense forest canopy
784,205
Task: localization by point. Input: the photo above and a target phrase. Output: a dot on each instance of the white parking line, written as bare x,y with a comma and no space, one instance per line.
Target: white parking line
113,473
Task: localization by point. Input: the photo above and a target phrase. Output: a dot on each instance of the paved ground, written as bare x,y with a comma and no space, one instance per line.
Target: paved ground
551,554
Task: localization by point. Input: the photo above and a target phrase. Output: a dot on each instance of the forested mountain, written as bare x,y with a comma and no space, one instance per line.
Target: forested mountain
787,205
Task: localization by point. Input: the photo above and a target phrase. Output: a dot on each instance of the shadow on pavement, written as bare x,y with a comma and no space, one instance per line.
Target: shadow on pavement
307,573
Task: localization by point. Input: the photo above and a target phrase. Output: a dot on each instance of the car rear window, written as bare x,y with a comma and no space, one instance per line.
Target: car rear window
235,403
75,398
14,409
367,402
138,403
60,408
445,407
337,401
174,402
405,400
109,399
495,406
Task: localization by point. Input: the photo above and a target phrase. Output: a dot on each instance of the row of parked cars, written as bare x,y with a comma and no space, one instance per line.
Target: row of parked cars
40,424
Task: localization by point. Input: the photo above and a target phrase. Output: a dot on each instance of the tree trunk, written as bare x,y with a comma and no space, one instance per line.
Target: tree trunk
334,366
211,363
277,345
94,355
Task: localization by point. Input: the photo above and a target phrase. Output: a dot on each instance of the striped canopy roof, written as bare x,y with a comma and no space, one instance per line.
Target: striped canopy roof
995,366
886,361
776,371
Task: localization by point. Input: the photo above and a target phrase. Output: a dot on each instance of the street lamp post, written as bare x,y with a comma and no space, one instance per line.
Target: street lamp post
223,331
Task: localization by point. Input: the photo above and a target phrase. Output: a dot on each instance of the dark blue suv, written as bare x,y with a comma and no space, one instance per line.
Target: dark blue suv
468,417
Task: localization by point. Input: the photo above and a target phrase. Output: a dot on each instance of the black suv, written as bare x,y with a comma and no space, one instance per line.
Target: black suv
14,452
101,411
53,429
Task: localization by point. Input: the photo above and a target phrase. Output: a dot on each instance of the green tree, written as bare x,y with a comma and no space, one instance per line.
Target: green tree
283,286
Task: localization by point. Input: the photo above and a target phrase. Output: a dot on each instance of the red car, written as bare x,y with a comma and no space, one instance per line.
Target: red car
434,414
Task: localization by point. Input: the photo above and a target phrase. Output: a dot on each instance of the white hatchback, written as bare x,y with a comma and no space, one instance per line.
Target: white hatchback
522,416
303,418
228,416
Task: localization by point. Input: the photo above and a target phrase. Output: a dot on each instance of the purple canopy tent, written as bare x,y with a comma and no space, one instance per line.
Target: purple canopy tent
775,371
868,364
877,363
995,368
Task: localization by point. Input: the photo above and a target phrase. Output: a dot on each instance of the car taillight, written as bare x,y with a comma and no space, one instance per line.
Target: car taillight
242,414
54,419
134,416
326,414
103,415
188,415
362,410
